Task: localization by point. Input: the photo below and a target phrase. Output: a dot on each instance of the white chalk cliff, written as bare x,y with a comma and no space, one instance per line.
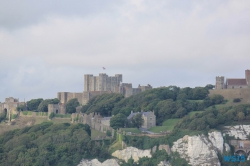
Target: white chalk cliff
239,131
129,152
200,150
95,162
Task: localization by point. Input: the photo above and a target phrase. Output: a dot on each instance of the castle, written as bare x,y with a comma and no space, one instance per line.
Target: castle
233,83
9,106
102,84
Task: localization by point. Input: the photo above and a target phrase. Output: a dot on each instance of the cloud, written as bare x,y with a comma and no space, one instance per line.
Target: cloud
168,42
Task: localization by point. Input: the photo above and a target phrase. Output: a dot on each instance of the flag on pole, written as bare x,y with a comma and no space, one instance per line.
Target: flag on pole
103,68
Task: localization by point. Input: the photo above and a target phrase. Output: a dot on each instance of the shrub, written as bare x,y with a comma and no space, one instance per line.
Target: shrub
236,100
52,115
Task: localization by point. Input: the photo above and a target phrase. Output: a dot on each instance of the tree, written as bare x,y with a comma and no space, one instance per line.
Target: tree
241,116
20,108
137,120
209,86
33,104
118,121
71,105
43,106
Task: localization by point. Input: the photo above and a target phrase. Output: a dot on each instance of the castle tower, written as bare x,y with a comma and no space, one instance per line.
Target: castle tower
219,82
87,78
247,75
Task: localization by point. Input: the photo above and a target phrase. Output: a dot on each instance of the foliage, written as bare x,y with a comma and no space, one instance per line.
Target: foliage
167,102
71,106
210,119
3,116
102,104
137,120
43,106
176,160
21,108
63,115
27,112
33,104
144,142
13,116
52,115
215,99
48,144
109,133
118,121
157,157
236,100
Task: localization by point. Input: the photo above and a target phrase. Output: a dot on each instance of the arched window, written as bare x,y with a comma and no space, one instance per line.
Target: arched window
56,111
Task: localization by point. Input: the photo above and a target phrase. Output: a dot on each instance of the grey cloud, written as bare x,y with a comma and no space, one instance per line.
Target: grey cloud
162,43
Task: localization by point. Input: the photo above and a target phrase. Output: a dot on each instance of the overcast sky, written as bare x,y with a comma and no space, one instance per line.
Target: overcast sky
46,46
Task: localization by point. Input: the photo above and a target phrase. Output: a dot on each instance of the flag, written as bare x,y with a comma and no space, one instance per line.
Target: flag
103,68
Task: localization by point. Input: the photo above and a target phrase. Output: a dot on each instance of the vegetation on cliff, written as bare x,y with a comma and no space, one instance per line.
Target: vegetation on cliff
50,144
167,102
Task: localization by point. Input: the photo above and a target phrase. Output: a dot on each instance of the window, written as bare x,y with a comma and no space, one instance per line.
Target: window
151,118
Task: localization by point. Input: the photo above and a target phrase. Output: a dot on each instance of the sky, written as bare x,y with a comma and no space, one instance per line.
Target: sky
47,46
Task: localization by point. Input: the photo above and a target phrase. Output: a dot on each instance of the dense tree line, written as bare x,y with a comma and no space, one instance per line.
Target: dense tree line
39,104
48,144
167,102
212,118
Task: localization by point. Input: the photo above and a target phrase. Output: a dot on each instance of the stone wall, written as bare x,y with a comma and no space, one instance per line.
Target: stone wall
93,120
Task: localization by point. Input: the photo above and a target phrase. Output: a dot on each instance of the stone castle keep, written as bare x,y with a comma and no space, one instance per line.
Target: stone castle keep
233,83
97,85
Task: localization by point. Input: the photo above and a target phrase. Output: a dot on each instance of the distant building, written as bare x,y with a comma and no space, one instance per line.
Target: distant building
102,84
10,105
148,117
233,83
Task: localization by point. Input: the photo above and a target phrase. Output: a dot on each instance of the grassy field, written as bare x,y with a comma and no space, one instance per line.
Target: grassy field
96,133
192,113
167,125
230,94
132,130
195,101
117,145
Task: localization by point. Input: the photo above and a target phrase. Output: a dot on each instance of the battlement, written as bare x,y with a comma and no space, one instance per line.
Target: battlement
232,83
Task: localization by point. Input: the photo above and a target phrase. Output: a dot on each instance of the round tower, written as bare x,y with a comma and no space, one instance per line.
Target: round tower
219,82
247,75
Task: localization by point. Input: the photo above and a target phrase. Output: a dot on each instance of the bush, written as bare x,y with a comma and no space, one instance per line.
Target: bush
52,115
236,100
108,133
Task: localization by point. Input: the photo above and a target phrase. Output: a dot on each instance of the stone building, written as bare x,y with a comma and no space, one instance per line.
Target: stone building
233,83
102,84
10,105
94,120
56,108
148,117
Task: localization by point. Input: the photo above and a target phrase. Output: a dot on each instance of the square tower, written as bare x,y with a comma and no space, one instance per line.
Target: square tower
247,76
219,82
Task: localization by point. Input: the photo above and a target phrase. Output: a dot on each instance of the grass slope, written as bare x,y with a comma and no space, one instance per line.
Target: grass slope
167,125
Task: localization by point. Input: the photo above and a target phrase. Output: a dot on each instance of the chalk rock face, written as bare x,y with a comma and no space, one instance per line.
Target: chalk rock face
239,131
129,152
95,162
197,150
166,147
217,140
227,148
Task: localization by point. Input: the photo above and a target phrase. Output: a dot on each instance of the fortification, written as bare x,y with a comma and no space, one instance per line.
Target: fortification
103,82
56,108
233,83
9,106
247,76
219,83
98,85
